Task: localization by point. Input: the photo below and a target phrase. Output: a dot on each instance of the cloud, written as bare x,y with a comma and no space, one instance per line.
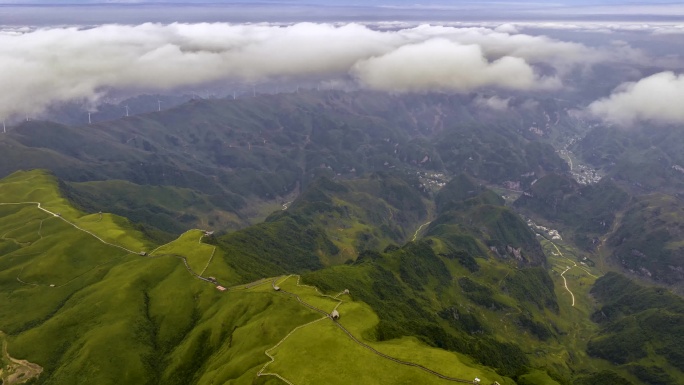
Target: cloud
657,98
534,49
507,28
51,65
439,64
495,103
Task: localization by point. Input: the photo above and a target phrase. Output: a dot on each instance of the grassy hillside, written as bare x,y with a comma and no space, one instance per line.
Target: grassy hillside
323,352
170,209
76,292
74,298
472,217
509,319
641,330
451,290
363,214
648,240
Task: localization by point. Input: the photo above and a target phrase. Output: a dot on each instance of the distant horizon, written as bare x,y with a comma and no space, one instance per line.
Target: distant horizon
344,2
96,12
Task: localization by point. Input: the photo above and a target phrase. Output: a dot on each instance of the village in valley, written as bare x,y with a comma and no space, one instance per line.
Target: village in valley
432,181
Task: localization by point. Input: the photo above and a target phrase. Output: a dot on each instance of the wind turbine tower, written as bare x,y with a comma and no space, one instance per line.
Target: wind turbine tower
159,104
126,110
4,129
89,121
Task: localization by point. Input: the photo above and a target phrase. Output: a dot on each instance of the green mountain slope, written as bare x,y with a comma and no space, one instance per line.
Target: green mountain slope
74,298
351,191
77,291
644,159
242,158
469,213
453,291
641,329
365,213
583,213
648,240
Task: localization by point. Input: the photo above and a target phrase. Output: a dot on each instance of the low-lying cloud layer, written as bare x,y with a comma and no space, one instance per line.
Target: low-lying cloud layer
41,67
657,98
439,64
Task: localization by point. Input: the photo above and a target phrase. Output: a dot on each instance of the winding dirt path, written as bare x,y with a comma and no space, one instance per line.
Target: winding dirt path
211,257
187,266
565,281
415,235
128,251
55,215
38,205
267,352
209,261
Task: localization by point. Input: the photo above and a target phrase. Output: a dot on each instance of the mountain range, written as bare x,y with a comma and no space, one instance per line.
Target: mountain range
213,242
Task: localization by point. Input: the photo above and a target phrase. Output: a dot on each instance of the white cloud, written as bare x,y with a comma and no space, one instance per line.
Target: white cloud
440,64
44,66
506,28
657,98
495,103
534,49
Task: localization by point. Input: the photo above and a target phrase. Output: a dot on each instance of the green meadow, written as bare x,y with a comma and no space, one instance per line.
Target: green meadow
86,310
321,352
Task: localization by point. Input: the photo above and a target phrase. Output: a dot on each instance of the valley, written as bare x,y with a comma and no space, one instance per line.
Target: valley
468,249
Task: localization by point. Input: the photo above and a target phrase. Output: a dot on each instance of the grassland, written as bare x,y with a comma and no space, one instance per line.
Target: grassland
487,304
24,188
75,292
189,245
320,351
74,296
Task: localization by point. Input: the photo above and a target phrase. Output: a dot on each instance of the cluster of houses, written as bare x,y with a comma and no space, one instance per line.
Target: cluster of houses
585,175
432,181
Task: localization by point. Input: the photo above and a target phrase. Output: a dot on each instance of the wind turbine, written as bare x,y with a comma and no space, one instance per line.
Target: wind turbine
159,104
89,121
126,106
233,95
4,129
